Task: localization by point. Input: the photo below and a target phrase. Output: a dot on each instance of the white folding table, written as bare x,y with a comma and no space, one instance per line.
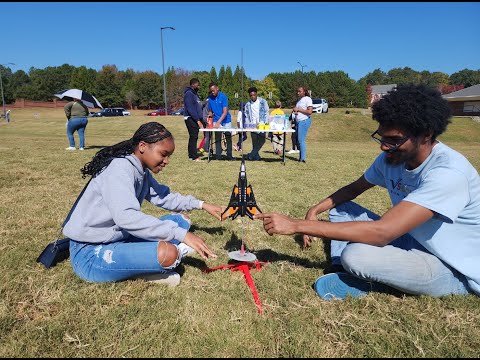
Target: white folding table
248,130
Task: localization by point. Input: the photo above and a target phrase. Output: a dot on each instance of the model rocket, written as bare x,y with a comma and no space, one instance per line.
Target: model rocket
242,202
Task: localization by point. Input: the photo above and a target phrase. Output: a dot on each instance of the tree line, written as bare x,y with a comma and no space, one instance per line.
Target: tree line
144,90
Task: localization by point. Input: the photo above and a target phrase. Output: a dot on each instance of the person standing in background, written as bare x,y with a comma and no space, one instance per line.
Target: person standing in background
193,117
256,112
277,137
204,145
218,107
302,112
242,136
76,112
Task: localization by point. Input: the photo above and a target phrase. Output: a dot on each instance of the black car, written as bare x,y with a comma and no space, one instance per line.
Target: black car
109,112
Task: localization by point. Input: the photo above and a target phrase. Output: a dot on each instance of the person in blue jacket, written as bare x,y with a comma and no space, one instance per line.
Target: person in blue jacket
193,116
112,239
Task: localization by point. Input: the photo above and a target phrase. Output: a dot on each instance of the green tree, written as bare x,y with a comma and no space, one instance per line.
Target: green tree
108,87
221,73
376,77
148,87
213,75
84,79
178,80
403,76
230,87
7,84
44,83
131,98
204,78
465,77
434,79
20,80
126,82
265,87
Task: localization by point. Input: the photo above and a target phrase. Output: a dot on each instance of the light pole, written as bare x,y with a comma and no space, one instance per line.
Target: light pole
163,67
302,66
1,86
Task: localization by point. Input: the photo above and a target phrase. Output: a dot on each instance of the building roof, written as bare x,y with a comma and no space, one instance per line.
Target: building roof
471,93
382,89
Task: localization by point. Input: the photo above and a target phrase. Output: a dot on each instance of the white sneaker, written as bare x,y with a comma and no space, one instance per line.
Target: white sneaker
185,249
70,148
81,149
292,151
170,278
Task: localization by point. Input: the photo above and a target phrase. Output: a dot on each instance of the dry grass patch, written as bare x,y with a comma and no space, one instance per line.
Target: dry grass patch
52,313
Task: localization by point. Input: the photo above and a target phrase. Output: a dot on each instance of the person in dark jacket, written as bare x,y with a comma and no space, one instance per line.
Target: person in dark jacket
193,116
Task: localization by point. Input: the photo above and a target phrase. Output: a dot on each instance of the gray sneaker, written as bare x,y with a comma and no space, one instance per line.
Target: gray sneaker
170,278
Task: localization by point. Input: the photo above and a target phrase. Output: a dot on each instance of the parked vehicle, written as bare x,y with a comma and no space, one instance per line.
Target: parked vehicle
159,112
178,112
320,106
111,112
125,112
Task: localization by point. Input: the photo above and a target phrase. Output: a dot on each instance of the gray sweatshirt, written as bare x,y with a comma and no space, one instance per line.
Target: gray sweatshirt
109,209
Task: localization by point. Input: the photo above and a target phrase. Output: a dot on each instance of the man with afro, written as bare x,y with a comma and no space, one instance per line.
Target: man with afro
428,243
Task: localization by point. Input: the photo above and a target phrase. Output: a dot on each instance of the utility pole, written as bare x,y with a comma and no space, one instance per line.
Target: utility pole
1,86
163,67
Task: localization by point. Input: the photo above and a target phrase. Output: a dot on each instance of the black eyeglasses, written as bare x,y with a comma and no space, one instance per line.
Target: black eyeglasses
391,145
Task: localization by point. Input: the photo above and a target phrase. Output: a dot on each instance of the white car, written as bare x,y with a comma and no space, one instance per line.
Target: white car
124,112
320,106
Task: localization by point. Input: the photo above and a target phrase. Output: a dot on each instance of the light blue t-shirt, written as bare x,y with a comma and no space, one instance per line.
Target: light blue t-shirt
449,185
216,104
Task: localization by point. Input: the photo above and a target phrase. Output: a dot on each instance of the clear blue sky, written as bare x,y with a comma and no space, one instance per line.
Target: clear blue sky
353,37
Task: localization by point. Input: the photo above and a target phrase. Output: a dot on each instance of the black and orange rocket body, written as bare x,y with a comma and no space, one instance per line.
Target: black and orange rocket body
242,202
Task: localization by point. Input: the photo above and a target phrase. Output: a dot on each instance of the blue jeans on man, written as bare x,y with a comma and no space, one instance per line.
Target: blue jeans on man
77,124
404,264
228,139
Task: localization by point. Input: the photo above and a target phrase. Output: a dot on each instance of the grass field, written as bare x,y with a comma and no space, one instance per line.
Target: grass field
53,313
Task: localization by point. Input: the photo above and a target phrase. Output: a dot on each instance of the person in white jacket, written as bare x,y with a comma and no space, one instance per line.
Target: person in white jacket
111,238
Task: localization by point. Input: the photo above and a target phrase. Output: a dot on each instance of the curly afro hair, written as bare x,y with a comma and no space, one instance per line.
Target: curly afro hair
417,109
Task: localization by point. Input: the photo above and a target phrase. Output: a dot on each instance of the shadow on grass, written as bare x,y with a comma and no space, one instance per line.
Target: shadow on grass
96,147
265,255
209,230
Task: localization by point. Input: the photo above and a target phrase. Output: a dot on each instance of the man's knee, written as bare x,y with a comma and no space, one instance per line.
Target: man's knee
356,258
167,254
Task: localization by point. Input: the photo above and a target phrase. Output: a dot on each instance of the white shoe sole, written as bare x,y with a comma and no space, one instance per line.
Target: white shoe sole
171,279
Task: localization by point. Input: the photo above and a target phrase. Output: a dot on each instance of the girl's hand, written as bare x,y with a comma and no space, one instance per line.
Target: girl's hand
199,245
213,210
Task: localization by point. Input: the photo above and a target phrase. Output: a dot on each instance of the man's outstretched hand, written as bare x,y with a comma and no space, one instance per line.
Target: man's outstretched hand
275,223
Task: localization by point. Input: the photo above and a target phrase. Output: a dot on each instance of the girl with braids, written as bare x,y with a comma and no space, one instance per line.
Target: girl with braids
111,238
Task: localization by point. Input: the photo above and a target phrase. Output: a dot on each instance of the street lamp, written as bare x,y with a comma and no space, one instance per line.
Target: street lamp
302,66
163,66
1,86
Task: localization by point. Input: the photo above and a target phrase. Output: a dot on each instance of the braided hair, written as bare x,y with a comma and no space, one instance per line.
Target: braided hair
150,133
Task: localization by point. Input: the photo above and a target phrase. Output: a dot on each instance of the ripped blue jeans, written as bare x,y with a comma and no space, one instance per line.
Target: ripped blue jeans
121,260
